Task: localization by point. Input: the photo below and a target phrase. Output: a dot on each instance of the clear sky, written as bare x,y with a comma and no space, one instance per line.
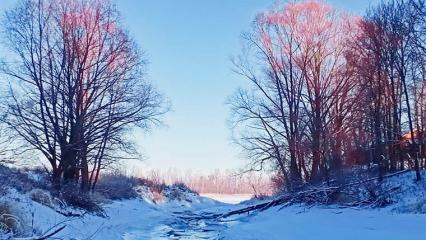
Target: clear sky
189,44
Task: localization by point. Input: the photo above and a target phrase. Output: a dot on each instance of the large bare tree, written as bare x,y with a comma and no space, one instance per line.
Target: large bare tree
298,109
77,85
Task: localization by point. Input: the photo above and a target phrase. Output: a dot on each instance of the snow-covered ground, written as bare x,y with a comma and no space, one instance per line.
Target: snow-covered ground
140,219
188,218
228,198
299,222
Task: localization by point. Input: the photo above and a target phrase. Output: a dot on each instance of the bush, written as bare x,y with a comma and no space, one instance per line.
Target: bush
154,186
41,196
278,183
117,186
157,197
178,191
10,220
183,187
72,195
23,180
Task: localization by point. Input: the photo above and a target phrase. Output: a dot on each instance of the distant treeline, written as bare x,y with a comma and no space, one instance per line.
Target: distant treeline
219,181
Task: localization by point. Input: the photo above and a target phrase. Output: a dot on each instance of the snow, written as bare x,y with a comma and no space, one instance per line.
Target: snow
139,218
298,222
179,218
228,198
398,221
122,216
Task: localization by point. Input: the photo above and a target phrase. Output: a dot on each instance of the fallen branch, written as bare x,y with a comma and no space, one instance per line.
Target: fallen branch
313,195
51,234
48,234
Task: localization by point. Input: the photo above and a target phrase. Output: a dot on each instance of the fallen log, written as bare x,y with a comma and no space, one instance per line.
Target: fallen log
312,195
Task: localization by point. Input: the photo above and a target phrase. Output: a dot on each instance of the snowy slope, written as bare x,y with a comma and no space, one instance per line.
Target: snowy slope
137,218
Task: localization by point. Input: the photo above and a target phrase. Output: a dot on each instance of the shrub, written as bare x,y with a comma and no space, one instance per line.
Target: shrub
24,180
178,191
157,197
41,196
76,198
174,194
117,186
278,183
154,186
10,220
183,187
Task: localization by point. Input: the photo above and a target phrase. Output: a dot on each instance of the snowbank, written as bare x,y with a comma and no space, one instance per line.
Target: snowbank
122,217
298,222
404,217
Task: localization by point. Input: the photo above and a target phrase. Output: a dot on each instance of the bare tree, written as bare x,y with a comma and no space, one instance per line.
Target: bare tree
77,86
397,31
302,90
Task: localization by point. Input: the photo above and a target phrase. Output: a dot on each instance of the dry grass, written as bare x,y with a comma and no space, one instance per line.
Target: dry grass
10,221
157,197
41,196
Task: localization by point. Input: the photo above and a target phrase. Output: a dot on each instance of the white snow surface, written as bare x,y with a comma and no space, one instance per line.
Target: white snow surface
138,218
228,198
142,218
298,222
395,222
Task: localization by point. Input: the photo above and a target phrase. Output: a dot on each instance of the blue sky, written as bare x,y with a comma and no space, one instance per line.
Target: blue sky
189,44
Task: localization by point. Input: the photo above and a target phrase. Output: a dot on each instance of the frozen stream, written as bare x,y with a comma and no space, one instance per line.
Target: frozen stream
185,225
189,225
